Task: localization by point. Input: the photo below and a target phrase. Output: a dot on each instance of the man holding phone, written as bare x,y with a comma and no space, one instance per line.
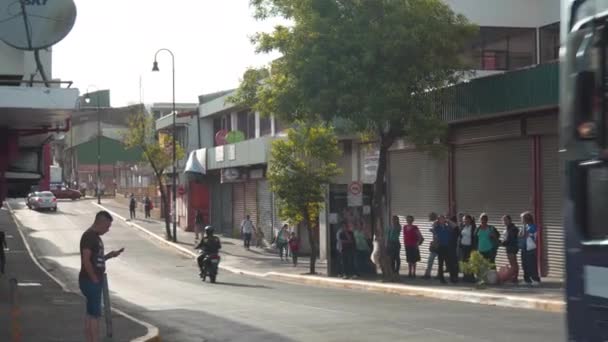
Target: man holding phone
92,270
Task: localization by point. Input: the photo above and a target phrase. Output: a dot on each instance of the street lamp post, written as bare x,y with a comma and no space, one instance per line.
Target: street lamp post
174,137
88,99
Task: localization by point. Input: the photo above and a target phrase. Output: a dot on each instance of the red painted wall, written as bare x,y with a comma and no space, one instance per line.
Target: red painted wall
199,199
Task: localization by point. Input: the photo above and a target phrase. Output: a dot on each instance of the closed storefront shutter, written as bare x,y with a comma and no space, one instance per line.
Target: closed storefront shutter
227,222
216,207
238,206
551,207
418,186
265,209
495,178
251,201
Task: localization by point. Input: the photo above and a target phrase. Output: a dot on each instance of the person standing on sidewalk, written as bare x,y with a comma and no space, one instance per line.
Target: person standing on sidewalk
432,247
528,243
393,244
198,224
283,240
511,244
147,206
294,246
132,206
487,239
3,246
92,269
362,252
444,235
412,239
347,241
247,229
467,242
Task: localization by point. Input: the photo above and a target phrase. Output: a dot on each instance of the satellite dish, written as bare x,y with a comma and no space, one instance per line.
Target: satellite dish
35,24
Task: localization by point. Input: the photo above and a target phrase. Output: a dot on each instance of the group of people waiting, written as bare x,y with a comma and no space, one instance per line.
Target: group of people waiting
454,240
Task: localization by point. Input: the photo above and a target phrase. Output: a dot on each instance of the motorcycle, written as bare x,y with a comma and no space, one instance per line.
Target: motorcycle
210,266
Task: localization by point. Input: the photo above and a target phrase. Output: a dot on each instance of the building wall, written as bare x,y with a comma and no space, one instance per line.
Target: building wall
112,151
19,62
512,13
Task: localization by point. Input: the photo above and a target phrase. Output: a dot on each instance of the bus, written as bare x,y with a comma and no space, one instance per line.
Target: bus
584,158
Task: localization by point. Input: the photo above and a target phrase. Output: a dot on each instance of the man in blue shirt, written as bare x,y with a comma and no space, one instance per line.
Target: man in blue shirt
444,235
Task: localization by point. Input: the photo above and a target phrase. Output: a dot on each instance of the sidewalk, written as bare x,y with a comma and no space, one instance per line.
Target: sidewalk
45,311
260,263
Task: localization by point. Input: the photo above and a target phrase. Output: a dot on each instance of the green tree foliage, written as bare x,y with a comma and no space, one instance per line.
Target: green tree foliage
379,64
302,165
159,155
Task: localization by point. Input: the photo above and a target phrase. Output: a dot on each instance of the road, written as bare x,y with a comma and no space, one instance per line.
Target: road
157,285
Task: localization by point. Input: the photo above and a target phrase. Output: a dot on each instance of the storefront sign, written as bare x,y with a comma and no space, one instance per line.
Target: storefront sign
371,156
231,152
219,154
231,175
355,194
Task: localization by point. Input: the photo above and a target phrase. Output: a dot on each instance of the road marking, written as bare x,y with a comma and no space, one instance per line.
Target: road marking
152,331
29,284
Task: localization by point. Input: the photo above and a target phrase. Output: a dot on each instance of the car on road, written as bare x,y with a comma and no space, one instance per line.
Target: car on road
42,200
66,193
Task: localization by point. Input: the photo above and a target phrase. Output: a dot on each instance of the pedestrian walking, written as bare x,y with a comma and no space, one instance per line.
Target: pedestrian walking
3,246
294,246
92,271
283,240
198,224
347,241
132,206
432,247
147,206
487,239
412,239
444,236
528,245
393,244
247,229
468,242
511,245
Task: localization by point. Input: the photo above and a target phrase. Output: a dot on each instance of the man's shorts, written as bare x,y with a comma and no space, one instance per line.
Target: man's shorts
92,292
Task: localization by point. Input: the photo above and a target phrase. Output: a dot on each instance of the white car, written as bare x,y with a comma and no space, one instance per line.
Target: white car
42,200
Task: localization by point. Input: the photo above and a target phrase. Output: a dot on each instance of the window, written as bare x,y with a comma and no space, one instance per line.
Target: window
265,126
219,123
499,48
246,124
549,43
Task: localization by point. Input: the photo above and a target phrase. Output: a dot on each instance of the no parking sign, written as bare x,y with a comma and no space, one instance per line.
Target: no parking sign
355,194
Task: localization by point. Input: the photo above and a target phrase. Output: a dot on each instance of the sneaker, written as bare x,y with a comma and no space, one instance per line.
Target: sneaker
535,283
355,276
427,276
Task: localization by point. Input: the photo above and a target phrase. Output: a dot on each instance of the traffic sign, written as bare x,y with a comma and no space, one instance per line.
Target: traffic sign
355,194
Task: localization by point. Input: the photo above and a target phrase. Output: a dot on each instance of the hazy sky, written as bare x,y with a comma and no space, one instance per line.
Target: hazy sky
113,43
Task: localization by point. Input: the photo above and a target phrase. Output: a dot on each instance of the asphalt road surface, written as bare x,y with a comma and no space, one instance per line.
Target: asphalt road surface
156,284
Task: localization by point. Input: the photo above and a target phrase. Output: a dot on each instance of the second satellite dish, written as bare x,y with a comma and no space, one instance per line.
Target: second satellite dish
42,24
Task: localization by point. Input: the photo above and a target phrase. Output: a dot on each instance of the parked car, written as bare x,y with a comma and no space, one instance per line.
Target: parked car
66,193
42,200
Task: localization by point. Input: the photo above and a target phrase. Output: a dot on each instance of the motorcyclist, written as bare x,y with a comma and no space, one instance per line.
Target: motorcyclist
209,245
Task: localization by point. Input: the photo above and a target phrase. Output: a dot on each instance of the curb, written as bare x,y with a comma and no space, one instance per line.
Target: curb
153,334
547,305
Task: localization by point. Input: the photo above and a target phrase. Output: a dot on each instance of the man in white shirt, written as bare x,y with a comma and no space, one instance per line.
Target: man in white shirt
247,230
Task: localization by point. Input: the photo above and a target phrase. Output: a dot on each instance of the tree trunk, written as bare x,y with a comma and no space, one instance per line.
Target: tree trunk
165,208
378,206
313,244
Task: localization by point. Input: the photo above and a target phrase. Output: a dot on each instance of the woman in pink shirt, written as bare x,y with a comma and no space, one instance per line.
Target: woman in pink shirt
412,238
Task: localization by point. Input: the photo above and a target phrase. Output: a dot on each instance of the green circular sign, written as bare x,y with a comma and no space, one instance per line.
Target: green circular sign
234,137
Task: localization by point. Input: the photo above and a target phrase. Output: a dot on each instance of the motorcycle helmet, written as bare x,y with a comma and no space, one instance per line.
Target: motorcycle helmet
209,230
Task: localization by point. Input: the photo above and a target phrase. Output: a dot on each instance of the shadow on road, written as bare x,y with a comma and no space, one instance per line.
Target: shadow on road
243,285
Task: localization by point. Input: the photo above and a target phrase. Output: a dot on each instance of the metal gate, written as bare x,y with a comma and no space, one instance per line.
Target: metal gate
238,207
418,186
265,222
494,178
552,207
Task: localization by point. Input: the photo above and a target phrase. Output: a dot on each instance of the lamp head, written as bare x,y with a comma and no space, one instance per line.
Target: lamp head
155,66
87,98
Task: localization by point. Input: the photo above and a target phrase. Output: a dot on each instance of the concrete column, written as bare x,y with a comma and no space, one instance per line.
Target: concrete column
273,128
257,125
234,121
324,231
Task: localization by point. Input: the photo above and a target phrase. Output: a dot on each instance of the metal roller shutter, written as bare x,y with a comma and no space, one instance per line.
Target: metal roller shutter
216,207
227,224
238,207
552,207
418,186
251,201
495,178
265,209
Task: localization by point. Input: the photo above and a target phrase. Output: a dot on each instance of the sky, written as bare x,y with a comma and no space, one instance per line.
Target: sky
113,43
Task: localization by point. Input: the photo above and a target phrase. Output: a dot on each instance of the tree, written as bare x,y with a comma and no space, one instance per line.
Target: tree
380,64
301,166
159,154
